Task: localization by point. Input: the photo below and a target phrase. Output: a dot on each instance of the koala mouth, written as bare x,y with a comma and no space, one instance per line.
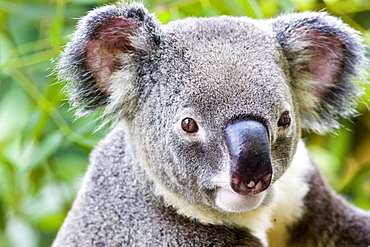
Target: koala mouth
230,201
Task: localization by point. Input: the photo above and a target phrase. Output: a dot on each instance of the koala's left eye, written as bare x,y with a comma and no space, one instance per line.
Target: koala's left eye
284,120
189,125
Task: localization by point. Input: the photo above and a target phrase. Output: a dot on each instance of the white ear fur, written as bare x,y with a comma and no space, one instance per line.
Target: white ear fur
103,46
325,58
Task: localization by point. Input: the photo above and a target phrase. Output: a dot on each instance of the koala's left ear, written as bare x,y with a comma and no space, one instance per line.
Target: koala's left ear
325,58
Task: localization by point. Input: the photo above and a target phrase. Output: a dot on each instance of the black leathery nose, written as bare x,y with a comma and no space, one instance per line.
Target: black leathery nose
249,147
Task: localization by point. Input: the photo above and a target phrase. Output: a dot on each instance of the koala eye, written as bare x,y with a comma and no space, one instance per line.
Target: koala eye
284,120
189,125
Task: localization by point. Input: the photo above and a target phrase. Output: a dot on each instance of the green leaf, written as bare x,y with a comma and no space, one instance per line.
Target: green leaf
46,148
5,47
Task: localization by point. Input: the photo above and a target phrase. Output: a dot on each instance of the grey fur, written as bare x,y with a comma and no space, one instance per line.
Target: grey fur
150,183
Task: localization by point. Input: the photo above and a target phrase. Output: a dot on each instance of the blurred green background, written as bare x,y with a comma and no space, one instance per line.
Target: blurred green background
44,150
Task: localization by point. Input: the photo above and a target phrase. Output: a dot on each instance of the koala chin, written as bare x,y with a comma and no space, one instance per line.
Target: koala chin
230,201
207,115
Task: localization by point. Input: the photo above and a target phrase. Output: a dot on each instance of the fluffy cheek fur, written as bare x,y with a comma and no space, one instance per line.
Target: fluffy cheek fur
173,166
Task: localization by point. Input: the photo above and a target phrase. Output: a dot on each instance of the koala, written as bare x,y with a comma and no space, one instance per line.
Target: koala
205,147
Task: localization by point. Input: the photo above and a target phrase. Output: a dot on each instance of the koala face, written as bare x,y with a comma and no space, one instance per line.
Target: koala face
214,106
182,125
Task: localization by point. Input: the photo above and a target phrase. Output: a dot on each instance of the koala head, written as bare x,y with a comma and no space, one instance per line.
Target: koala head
213,107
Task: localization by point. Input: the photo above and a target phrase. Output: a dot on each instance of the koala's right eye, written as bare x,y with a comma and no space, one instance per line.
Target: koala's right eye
189,125
284,120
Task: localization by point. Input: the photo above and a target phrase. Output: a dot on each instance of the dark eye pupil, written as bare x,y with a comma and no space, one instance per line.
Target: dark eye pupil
284,120
189,125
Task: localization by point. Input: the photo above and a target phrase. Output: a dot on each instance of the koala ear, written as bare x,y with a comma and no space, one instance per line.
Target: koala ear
325,58
101,63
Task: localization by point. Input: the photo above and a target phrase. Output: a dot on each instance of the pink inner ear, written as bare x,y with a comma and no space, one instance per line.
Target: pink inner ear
324,57
102,51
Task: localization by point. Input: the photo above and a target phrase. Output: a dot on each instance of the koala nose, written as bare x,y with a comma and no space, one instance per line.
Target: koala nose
251,169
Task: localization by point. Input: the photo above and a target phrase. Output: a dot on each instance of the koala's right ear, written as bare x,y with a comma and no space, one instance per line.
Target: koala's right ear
100,63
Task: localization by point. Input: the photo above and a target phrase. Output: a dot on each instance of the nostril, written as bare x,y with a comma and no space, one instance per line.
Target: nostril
239,186
243,187
263,184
